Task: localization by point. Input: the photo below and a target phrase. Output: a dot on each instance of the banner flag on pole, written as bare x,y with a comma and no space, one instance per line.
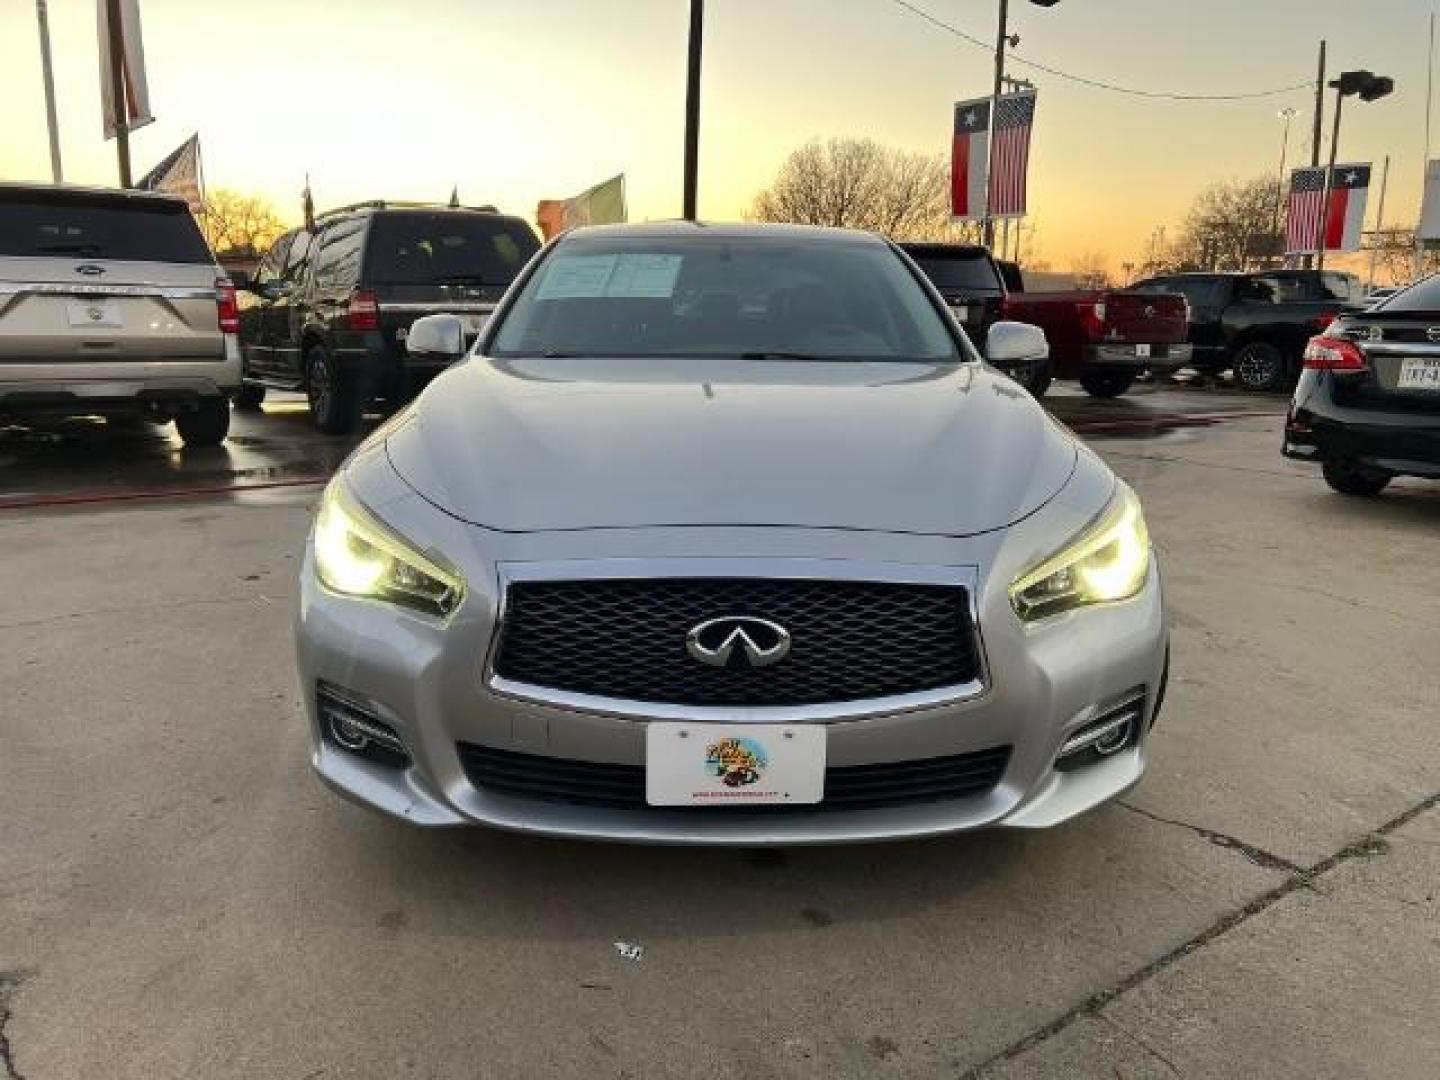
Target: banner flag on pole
136,107
603,204
1010,153
179,174
969,159
1305,209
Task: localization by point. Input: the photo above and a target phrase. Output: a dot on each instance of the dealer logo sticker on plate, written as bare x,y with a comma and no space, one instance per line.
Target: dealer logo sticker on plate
734,764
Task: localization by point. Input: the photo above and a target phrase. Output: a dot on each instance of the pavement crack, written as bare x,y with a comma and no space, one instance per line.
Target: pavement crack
1257,855
1138,1041
1367,846
10,982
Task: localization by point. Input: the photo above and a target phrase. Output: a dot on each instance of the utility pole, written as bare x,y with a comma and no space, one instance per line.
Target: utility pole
1425,158
1319,121
989,224
57,174
117,90
692,107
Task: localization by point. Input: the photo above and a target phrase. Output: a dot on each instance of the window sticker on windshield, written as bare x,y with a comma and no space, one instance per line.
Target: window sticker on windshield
570,277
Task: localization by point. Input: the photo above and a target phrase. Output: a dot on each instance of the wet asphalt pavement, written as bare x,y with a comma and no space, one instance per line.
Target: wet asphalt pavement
85,459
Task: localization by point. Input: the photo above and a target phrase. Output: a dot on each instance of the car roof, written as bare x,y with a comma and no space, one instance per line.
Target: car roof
680,229
82,193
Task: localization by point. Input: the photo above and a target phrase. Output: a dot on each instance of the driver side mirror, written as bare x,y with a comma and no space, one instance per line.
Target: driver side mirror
1010,343
436,337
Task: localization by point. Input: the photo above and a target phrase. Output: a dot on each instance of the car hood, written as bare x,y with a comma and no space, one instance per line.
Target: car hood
551,444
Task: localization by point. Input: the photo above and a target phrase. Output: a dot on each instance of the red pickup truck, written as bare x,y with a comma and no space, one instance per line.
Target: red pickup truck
1106,338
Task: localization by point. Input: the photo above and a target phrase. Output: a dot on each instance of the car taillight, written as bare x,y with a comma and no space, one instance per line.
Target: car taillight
1092,320
364,311
1321,323
1334,354
227,309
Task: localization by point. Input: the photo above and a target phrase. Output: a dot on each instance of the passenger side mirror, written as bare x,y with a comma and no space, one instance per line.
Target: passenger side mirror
436,337
1015,343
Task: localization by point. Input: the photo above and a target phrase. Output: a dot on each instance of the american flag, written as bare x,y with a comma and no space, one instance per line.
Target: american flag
179,174
1010,153
1303,210
1349,186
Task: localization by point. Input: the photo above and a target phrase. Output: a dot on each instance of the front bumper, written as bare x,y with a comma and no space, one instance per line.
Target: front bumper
1401,441
428,681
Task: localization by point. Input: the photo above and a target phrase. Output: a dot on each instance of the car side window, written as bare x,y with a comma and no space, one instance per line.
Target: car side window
1263,290
337,262
1339,287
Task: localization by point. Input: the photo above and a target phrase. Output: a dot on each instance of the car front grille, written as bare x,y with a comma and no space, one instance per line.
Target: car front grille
626,639
622,787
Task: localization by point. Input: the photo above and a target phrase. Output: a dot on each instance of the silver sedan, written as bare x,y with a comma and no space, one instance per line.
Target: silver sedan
726,535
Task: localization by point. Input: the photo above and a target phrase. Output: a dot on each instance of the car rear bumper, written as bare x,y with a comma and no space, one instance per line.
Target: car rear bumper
1403,442
1126,358
29,389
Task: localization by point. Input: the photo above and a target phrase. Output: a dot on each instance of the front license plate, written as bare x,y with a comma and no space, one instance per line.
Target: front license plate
734,764
101,313
1142,350
1419,373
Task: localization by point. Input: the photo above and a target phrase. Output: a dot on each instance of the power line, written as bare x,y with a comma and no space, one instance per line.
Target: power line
1096,83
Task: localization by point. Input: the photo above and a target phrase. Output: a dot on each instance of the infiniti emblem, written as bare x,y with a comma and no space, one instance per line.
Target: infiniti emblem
759,642
89,269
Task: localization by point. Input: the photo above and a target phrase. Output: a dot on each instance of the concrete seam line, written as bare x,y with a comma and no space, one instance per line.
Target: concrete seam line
1257,855
10,982
1300,879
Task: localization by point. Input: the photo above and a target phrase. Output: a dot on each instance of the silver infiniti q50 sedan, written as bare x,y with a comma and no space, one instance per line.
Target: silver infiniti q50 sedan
725,535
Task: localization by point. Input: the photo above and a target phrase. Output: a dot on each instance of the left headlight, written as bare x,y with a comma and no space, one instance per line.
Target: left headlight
357,555
1108,561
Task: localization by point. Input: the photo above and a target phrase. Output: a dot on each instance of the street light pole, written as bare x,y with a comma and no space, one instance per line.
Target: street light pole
692,108
117,90
1329,182
1287,115
1000,36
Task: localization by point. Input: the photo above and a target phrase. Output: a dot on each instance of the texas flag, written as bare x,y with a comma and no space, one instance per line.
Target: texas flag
969,159
1349,186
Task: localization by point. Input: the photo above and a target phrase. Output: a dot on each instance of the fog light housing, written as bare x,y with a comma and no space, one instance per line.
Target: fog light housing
1114,728
353,724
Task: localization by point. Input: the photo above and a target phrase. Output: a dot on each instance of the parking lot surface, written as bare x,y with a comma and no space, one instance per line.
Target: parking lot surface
180,898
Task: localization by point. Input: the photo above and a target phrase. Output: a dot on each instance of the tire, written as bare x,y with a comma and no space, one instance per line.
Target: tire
1259,366
334,397
1107,384
250,396
207,425
1350,479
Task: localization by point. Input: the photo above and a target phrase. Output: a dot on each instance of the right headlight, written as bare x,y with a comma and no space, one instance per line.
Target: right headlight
357,555
1108,561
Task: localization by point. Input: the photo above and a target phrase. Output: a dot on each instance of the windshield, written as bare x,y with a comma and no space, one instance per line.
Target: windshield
698,296
146,230
448,248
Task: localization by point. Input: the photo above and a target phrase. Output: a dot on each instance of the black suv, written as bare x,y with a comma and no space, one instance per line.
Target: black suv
328,311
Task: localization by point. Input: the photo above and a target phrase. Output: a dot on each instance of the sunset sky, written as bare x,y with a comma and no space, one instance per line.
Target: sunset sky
517,100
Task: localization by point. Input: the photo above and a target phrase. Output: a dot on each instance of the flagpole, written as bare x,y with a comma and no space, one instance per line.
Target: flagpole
117,90
1379,222
42,16
1425,160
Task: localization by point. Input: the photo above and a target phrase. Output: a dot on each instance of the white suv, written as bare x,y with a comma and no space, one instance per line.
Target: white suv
111,304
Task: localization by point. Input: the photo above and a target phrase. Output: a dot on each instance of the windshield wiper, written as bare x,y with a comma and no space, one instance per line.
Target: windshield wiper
70,249
780,354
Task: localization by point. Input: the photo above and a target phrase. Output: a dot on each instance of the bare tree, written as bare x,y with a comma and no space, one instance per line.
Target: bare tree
1091,270
1395,255
239,224
859,184
1231,226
